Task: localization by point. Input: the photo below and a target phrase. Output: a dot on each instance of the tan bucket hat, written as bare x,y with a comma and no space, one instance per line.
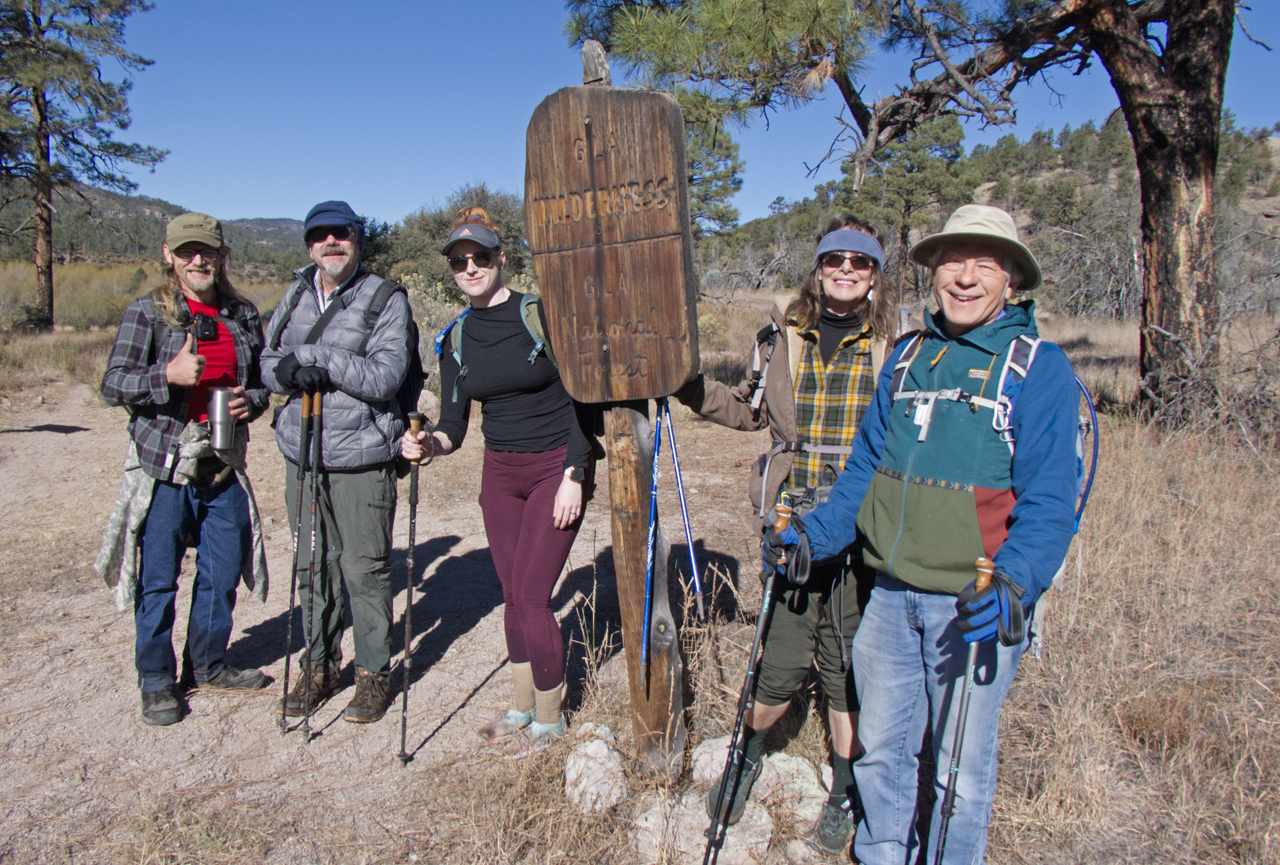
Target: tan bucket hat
981,225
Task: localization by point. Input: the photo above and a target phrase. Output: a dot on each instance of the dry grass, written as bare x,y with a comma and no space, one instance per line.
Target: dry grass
31,361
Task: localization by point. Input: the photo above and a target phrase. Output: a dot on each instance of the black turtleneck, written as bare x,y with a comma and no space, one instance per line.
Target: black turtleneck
832,329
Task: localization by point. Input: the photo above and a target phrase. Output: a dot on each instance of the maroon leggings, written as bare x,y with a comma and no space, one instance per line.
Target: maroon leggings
517,496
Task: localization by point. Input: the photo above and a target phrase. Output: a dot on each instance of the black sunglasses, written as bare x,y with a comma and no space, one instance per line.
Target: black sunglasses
836,260
458,263
324,232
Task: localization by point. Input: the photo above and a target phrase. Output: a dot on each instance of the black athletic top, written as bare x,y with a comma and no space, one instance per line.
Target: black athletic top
832,329
523,406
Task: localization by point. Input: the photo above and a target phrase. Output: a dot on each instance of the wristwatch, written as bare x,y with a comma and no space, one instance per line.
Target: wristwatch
577,474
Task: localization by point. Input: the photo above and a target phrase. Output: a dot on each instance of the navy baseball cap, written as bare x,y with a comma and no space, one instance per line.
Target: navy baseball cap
472,231
332,213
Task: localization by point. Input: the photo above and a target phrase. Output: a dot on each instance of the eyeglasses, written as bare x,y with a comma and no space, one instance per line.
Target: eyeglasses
324,232
187,253
836,260
458,263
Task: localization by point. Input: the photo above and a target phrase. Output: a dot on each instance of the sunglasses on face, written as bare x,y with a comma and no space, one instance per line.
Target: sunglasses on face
187,253
458,263
836,260
337,232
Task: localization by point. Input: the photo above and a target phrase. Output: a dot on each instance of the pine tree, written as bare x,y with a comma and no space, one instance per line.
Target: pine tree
715,176
58,113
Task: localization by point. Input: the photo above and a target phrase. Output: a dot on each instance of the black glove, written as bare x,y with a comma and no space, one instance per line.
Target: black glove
795,543
286,370
312,379
994,611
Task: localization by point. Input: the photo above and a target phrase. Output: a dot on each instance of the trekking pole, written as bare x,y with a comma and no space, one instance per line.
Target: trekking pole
309,631
733,764
985,569
684,509
293,573
648,566
415,426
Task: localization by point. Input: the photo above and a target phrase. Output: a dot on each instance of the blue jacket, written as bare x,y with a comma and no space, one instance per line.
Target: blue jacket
925,510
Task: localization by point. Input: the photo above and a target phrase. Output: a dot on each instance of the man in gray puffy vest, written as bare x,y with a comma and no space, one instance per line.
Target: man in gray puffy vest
318,342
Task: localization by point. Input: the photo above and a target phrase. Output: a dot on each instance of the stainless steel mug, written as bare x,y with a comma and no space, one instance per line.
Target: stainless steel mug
222,426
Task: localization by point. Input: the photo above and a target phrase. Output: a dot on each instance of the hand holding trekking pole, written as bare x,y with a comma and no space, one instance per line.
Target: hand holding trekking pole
416,422
732,775
986,569
293,572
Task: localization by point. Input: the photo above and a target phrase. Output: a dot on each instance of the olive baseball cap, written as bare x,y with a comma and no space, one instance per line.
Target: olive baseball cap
982,225
193,228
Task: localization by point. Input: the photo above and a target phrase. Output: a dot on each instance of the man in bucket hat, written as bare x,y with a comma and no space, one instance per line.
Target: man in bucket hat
318,342
968,451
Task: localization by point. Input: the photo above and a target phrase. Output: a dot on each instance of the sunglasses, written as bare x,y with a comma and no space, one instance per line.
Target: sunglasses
187,253
324,232
458,263
836,260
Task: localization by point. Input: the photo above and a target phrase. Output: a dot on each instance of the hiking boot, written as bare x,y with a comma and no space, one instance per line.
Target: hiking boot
373,695
750,773
834,829
506,726
324,684
161,708
231,679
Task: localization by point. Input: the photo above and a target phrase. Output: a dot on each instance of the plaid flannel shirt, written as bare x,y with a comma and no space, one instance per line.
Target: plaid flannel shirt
830,402
135,378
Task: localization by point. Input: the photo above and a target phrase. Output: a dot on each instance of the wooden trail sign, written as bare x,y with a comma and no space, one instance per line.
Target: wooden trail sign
607,216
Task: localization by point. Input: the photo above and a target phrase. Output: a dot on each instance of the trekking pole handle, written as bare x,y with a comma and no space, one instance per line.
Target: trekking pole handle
416,419
315,403
780,525
306,405
986,568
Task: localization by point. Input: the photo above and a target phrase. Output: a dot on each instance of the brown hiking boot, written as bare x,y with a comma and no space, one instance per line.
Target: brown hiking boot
373,695
324,684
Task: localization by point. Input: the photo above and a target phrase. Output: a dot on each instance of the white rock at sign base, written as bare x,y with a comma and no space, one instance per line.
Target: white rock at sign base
802,793
674,831
593,776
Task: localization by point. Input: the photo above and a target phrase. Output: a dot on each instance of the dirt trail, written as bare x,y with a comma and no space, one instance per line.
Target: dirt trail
84,780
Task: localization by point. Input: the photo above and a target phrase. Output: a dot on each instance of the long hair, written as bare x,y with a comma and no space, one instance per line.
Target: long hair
165,296
880,309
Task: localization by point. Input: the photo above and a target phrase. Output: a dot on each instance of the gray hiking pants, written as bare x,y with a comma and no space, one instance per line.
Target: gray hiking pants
353,539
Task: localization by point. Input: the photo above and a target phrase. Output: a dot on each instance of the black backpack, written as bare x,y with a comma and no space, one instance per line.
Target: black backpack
414,378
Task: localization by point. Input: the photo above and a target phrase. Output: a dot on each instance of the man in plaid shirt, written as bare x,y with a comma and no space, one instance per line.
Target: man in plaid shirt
190,335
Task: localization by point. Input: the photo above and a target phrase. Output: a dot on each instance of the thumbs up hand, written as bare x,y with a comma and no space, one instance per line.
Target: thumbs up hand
186,367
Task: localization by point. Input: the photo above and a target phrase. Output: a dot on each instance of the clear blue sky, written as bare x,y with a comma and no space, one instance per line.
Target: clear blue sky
268,108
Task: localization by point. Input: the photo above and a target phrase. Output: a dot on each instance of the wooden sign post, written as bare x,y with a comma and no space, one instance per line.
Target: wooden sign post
607,215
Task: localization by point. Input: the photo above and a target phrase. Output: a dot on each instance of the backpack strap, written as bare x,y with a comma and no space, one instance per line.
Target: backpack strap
907,358
1022,351
453,332
381,296
766,337
530,305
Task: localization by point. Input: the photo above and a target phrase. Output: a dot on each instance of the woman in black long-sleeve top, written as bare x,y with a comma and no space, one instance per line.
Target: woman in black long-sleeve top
537,463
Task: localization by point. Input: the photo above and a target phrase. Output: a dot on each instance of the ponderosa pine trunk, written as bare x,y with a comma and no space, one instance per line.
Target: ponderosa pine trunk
1172,103
42,184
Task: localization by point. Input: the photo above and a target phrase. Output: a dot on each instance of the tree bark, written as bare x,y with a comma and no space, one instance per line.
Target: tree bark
1172,103
42,185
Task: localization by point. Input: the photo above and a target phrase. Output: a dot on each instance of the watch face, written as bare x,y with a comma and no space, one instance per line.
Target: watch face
575,473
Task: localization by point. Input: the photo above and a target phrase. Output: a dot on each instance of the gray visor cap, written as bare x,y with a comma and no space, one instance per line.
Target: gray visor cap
472,231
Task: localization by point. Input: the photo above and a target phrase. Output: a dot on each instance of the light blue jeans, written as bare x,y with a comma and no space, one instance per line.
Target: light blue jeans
909,663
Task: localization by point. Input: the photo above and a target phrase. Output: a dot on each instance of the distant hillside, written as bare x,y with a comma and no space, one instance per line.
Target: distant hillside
102,227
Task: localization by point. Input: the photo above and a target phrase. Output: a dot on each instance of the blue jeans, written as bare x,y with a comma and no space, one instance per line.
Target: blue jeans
909,663
218,520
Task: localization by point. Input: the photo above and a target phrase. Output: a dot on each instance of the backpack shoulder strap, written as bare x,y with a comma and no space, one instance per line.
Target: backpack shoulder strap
530,306
453,332
1018,359
290,301
913,342
766,342
381,296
